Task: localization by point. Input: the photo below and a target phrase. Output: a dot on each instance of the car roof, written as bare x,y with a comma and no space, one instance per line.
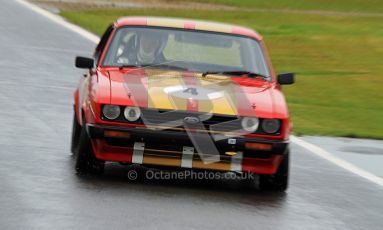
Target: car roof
187,24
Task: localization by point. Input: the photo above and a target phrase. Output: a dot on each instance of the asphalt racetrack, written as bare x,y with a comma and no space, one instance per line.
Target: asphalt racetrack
40,190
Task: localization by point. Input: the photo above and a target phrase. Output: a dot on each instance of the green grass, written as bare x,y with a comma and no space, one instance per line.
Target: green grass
338,61
373,6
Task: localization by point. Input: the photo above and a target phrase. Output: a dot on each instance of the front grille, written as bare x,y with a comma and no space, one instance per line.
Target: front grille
174,120
162,117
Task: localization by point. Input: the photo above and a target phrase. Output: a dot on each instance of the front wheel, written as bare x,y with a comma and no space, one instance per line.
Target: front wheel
85,161
76,130
279,181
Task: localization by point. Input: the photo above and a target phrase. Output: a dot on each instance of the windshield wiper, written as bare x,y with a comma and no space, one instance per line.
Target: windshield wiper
166,66
237,73
131,66
163,66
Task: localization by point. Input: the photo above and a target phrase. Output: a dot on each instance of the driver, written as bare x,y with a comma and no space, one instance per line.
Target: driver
145,48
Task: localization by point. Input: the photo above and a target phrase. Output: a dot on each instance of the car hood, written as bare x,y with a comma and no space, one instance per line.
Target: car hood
175,90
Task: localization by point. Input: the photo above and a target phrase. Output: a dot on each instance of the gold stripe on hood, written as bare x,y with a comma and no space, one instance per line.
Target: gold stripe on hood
212,94
221,99
158,81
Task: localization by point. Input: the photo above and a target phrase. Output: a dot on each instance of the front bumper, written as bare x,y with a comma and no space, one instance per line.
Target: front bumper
175,149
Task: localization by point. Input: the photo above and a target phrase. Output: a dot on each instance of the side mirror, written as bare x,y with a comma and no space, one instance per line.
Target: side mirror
84,62
285,78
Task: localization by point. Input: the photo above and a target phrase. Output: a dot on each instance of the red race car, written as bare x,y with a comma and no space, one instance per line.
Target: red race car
182,94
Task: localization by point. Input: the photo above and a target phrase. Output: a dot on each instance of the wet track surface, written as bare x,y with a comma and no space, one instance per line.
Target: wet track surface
364,153
39,189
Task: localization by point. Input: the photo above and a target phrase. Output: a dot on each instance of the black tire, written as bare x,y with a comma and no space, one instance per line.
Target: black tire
76,130
280,180
85,161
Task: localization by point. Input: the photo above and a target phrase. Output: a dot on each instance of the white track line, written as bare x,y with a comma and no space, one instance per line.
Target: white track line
312,148
335,160
86,34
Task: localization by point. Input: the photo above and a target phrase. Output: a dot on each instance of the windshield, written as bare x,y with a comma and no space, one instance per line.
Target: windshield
185,49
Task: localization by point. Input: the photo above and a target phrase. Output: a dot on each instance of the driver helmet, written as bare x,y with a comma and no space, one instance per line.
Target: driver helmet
151,44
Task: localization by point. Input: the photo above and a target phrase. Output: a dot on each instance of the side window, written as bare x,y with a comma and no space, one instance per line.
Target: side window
123,43
101,45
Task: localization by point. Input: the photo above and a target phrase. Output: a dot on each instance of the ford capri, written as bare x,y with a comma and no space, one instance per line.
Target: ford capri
185,94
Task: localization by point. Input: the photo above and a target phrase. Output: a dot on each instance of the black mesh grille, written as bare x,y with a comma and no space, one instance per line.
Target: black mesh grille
173,119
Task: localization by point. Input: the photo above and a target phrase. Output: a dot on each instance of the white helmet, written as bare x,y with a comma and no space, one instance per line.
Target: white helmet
151,44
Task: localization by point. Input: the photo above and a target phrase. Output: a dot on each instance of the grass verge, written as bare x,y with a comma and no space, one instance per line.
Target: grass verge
369,6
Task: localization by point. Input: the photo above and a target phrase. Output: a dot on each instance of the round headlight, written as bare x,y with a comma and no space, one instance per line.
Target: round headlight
270,125
111,111
132,113
250,124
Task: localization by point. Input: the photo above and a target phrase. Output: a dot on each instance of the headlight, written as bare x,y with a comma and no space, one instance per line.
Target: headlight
132,113
111,111
250,124
271,125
